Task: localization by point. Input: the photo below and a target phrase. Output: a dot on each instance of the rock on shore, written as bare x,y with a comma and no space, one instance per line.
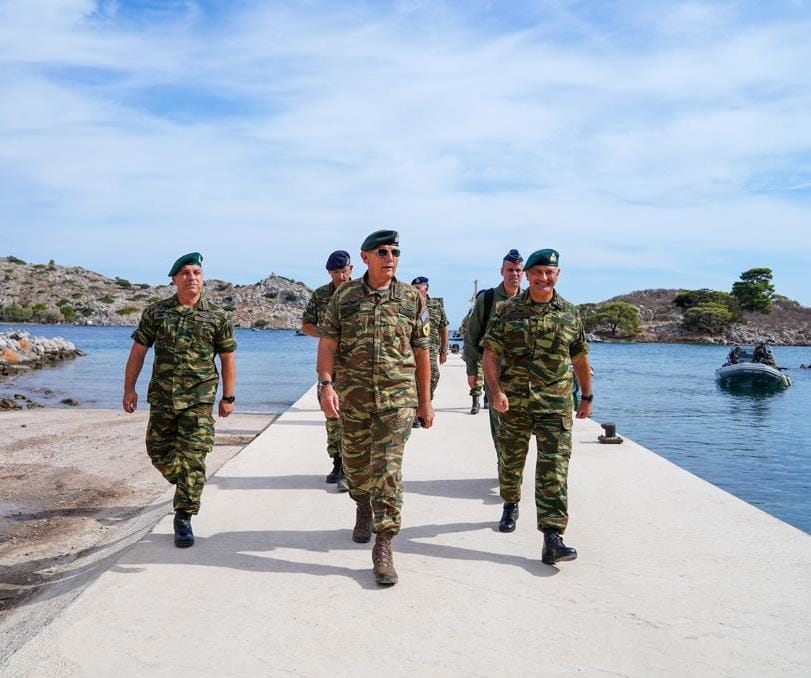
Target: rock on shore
19,350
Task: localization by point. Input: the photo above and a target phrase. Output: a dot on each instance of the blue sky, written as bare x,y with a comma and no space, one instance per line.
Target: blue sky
654,144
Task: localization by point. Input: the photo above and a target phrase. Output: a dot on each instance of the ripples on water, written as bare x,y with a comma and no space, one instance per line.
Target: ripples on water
664,396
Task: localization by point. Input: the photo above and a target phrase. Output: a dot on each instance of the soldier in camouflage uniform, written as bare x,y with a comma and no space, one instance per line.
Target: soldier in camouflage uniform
339,267
439,329
187,331
479,321
375,337
532,341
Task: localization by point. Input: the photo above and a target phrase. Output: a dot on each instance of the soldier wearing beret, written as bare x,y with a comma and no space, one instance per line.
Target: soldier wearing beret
187,331
529,347
375,374
485,305
439,329
339,267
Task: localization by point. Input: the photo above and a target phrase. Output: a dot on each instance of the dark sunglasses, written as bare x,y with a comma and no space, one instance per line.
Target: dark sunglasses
383,253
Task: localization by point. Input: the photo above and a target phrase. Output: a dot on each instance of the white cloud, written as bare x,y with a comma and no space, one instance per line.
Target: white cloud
661,138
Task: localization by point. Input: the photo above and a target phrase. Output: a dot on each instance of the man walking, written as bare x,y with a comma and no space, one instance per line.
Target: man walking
439,329
339,267
375,337
532,341
187,331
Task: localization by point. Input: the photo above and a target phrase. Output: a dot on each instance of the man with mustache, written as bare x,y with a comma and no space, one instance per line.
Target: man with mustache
187,331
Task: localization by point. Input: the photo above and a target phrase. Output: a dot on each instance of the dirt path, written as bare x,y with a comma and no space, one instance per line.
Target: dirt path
77,483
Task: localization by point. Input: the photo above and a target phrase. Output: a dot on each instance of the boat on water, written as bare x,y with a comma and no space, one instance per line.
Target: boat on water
745,368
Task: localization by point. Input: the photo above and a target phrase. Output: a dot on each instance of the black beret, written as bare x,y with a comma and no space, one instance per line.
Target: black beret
380,238
338,259
420,280
514,256
545,257
194,258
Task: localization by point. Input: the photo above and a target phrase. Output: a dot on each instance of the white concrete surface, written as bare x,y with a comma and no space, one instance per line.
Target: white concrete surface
675,577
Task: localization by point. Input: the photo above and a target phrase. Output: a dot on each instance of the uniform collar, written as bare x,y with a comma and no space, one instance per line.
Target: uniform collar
202,304
393,290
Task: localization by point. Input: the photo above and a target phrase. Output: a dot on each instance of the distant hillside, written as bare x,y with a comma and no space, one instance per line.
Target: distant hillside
788,324
52,293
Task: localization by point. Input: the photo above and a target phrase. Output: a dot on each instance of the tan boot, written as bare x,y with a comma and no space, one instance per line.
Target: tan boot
362,532
385,574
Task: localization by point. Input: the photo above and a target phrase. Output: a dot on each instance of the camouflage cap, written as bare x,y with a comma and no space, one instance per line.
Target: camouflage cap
514,256
194,258
380,238
547,257
338,259
420,280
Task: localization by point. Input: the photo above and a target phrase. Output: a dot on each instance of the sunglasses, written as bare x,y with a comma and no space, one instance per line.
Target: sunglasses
383,253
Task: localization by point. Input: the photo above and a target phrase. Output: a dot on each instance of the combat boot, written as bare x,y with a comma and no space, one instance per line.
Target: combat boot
184,537
336,471
362,532
475,408
383,560
554,549
508,517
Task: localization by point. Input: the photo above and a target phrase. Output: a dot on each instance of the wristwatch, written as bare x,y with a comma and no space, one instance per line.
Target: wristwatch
587,398
326,382
229,399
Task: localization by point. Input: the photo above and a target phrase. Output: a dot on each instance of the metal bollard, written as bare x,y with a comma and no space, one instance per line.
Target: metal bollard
610,437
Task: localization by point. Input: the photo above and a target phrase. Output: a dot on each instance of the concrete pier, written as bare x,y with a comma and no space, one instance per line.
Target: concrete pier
675,577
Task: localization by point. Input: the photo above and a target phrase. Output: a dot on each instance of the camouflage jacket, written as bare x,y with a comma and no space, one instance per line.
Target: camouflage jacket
377,333
475,328
438,320
317,306
186,341
536,343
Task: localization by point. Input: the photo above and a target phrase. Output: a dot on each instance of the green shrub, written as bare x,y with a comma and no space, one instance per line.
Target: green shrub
272,294
68,313
289,296
261,323
16,314
40,267
710,318
127,310
121,282
106,299
15,260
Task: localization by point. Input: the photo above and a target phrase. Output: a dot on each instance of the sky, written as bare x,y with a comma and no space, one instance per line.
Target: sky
653,144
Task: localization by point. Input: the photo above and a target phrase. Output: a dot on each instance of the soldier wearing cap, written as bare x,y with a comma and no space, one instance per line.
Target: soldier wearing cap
532,341
487,302
339,267
375,374
439,329
187,331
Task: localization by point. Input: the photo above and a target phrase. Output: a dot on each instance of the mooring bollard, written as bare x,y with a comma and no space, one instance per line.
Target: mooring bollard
610,437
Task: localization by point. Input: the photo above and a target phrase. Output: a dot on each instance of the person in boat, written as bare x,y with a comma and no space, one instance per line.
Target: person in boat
764,355
734,356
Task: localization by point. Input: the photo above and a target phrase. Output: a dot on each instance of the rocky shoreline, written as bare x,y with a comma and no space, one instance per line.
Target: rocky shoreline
21,351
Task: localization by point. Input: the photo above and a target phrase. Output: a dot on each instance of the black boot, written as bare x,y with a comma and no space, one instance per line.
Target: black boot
475,408
486,405
184,537
508,517
335,473
554,549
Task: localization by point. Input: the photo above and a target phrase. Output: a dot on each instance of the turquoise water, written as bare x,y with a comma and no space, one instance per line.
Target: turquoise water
664,396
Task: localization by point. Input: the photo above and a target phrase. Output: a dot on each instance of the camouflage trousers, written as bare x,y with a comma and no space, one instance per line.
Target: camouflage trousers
177,442
553,437
434,372
373,445
479,383
334,433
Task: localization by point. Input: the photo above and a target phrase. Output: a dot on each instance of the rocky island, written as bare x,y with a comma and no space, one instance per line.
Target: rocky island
51,293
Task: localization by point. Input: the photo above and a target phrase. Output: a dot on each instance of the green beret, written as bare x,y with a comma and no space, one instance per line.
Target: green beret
380,238
542,258
194,258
